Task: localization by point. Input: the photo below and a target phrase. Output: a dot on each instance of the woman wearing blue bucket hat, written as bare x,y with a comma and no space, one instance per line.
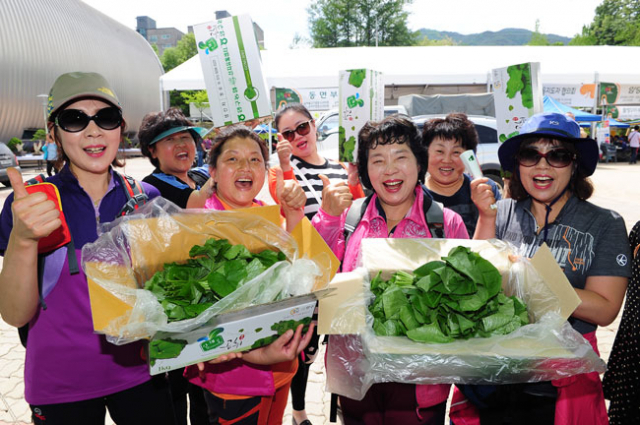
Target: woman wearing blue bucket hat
549,188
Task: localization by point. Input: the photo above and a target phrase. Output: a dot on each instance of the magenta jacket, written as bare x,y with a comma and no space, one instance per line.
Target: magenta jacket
373,225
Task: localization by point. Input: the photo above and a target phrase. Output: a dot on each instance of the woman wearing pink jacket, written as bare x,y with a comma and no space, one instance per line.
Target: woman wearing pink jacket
392,163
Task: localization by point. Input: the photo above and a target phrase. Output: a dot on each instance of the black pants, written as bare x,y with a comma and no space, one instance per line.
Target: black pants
50,168
148,403
180,388
299,381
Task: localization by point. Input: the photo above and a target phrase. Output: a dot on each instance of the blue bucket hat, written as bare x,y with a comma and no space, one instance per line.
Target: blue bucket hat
552,126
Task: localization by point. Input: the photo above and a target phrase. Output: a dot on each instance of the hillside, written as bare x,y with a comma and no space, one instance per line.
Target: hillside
505,37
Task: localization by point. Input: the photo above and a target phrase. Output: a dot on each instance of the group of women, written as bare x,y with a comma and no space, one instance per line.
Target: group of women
73,375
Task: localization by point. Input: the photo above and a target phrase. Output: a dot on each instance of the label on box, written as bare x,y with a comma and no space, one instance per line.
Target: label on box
517,93
361,100
232,69
228,333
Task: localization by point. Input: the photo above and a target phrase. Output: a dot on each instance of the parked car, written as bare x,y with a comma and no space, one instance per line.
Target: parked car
328,124
7,159
487,149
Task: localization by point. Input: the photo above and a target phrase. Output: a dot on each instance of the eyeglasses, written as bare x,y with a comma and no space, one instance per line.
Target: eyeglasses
302,129
74,120
557,158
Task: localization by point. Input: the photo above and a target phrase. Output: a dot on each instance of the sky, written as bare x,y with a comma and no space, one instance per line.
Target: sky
282,19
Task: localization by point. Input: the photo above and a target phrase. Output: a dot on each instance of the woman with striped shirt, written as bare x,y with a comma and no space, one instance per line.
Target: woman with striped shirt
299,160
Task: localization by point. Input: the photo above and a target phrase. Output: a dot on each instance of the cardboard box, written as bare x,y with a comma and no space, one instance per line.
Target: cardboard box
232,69
517,91
361,93
541,351
243,330
115,297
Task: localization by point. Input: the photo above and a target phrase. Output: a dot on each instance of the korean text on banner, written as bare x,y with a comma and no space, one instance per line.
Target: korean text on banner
232,69
361,100
517,92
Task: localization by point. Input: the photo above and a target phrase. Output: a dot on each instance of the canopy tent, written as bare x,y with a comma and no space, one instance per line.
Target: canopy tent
552,105
426,65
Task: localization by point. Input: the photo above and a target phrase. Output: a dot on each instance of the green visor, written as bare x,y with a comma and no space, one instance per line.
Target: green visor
200,131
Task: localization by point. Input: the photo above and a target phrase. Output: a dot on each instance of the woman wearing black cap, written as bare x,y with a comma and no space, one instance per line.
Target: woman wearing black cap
549,191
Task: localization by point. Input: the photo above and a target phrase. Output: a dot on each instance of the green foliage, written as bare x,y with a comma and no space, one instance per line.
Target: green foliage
538,39
445,41
198,98
214,270
15,145
342,23
459,297
165,349
617,22
174,56
40,134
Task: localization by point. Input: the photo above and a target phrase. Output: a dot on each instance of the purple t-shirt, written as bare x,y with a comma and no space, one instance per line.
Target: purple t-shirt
65,360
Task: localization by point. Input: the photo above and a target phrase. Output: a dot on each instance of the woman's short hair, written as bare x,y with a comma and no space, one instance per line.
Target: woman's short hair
295,107
392,129
455,126
156,123
580,185
228,133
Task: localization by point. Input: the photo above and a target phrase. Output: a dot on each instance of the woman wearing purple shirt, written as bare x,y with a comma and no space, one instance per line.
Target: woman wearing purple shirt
72,375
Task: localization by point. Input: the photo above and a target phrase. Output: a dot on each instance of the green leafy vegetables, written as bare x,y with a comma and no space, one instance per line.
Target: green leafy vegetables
520,81
214,270
459,297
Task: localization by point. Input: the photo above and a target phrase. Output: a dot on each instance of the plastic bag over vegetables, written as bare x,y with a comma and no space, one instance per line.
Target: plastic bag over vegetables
133,248
548,348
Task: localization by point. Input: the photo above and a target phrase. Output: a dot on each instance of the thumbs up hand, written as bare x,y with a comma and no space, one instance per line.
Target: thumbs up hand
336,197
292,199
34,215
283,148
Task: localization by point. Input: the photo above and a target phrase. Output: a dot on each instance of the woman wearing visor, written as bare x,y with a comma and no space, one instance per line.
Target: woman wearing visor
168,139
549,191
72,374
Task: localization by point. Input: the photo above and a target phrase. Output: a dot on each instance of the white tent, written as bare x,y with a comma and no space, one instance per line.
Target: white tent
442,65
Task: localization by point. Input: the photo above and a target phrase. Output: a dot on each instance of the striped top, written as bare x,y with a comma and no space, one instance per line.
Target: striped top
307,176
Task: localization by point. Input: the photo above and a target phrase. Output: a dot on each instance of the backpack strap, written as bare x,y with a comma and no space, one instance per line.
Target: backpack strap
136,196
354,215
433,214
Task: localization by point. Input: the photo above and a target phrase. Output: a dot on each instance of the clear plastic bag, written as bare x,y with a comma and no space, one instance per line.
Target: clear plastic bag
547,349
132,248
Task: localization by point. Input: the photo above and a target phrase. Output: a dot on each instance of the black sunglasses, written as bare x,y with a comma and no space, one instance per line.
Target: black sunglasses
302,129
557,158
74,120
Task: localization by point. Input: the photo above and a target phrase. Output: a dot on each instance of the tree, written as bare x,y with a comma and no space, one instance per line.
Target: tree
184,50
342,23
617,22
199,99
537,38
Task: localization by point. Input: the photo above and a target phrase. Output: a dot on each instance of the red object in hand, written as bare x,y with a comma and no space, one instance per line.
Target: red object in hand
61,236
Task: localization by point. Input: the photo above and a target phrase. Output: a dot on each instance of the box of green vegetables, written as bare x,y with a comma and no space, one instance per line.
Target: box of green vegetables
434,311
199,284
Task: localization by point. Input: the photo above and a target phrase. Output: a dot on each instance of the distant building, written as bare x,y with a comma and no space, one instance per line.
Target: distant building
161,37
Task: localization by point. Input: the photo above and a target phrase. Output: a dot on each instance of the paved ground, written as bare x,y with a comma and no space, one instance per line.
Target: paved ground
617,188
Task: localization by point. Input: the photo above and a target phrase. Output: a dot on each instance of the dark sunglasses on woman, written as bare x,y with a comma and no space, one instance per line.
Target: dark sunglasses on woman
302,129
557,158
75,120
